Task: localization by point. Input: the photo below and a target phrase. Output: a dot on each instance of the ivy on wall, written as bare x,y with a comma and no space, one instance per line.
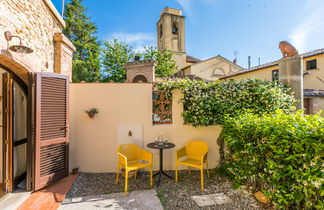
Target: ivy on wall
209,103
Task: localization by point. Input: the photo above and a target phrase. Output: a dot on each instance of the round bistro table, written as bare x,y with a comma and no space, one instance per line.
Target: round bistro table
161,147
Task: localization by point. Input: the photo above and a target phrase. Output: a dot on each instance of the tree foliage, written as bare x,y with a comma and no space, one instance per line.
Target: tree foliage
282,151
166,66
81,31
208,103
115,55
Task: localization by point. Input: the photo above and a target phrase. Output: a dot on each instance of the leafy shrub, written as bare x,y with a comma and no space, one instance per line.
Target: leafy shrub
283,151
209,103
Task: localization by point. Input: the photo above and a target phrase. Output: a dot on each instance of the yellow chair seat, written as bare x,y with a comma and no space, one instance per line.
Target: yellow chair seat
136,166
190,162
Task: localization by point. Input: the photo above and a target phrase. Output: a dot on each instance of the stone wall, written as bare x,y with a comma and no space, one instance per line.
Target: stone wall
36,22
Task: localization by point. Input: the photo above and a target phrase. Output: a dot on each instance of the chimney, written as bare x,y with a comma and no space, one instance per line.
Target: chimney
249,62
140,71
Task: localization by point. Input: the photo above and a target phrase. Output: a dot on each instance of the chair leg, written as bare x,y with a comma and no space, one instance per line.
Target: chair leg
207,169
126,182
176,176
189,170
151,176
135,174
117,174
202,178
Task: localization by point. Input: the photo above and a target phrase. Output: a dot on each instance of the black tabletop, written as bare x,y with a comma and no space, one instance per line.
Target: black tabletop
154,145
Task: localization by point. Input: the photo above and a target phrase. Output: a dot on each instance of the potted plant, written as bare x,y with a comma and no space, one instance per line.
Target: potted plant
91,112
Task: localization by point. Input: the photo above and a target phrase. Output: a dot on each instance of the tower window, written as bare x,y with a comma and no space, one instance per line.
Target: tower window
161,31
174,28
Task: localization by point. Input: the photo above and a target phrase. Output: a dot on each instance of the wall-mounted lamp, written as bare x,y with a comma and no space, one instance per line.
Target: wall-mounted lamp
17,48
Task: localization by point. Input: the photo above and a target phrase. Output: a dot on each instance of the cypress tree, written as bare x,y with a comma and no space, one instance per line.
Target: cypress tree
81,32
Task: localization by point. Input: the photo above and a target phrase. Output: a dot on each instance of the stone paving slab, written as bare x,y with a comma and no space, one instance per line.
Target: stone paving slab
146,199
211,199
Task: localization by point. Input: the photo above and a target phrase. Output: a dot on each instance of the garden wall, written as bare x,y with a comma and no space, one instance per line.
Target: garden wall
125,107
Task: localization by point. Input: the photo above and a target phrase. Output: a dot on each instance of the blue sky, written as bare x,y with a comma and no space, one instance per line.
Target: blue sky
216,27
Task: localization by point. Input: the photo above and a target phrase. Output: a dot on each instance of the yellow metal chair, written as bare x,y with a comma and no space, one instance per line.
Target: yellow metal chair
195,153
132,158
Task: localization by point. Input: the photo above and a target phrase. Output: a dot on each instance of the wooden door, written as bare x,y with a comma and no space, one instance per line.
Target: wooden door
7,88
307,107
51,128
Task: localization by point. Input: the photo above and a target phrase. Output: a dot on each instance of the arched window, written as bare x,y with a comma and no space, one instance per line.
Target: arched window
219,72
139,78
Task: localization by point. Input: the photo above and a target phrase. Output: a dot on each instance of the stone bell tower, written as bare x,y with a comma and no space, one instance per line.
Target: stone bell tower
171,34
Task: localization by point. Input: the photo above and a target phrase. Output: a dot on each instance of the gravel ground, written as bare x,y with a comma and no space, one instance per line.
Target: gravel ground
172,195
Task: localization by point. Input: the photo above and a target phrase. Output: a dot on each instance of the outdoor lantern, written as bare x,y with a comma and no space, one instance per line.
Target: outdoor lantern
17,48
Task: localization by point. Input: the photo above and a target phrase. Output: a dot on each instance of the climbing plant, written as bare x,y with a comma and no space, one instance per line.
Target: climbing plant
208,103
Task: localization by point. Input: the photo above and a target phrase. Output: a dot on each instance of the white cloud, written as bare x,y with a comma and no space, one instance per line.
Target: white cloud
186,5
136,40
311,22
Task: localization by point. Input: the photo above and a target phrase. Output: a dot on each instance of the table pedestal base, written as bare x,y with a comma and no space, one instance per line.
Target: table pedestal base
160,173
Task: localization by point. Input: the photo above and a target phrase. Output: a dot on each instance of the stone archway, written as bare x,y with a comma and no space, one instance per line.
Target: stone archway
19,71
12,65
139,78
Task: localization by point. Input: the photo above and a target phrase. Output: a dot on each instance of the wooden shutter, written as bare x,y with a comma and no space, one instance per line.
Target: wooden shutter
51,128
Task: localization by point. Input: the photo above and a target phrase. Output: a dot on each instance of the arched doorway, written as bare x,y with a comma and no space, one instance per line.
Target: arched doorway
16,172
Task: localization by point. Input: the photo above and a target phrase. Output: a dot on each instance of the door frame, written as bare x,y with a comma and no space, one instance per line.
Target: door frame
29,179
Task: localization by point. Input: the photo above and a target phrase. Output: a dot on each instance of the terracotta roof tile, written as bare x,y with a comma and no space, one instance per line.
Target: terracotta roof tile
191,59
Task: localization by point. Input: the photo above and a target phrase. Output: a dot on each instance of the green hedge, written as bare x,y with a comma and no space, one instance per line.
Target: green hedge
208,103
283,151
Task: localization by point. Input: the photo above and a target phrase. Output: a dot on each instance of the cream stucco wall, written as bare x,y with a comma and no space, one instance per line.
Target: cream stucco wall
313,79
94,141
212,68
265,74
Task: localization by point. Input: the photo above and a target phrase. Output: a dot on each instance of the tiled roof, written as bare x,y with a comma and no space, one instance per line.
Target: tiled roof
313,92
191,59
312,53
303,55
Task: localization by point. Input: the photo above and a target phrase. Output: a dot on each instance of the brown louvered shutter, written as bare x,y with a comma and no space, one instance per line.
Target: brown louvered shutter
51,128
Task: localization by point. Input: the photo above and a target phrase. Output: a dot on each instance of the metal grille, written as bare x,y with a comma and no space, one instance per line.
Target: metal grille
53,108
162,108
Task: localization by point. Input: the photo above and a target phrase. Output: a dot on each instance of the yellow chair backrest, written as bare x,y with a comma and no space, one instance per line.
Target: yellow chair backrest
195,149
130,151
